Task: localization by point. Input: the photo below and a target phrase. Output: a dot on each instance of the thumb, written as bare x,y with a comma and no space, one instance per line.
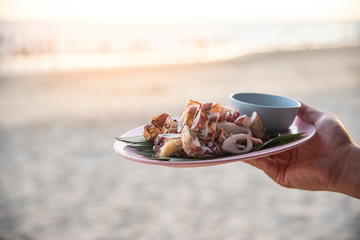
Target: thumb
309,114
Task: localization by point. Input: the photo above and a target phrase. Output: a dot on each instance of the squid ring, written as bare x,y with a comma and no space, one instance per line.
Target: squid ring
238,144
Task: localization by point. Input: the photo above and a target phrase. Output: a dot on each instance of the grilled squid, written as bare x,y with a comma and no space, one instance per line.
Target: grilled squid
237,144
243,121
155,127
232,128
204,130
190,142
167,145
188,115
229,113
208,132
257,127
201,117
240,143
160,124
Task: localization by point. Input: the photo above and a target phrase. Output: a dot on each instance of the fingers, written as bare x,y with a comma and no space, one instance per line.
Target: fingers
268,165
260,163
265,162
284,157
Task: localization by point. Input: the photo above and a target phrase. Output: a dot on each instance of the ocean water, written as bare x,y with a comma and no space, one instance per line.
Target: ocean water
31,47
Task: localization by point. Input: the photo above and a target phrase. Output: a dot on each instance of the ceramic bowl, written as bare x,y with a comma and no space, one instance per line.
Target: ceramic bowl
276,112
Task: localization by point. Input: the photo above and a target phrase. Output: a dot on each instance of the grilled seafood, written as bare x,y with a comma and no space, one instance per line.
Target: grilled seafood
194,147
232,128
162,123
201,117
243,121
191,143
257,127
167,145
204,130
240,143
188,115
229,114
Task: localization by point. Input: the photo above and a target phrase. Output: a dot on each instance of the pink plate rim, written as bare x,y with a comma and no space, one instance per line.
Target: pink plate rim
298,126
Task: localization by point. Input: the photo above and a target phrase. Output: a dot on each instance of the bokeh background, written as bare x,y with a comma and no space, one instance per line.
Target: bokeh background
75,74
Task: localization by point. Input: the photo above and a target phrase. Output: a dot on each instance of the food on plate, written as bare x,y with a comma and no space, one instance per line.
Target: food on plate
204,130
167,145
160,124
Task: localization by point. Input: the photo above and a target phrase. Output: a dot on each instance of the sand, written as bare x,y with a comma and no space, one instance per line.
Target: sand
61,179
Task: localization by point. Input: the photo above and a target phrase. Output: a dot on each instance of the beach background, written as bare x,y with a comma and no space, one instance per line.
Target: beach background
67,89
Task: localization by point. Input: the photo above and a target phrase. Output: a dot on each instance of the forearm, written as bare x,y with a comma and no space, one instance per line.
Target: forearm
346,177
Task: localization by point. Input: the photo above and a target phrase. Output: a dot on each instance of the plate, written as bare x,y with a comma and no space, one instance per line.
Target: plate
298,126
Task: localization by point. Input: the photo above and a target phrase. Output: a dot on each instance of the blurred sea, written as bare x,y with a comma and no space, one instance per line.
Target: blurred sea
34,47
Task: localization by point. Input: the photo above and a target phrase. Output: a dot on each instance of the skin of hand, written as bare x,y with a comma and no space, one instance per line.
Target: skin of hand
330,161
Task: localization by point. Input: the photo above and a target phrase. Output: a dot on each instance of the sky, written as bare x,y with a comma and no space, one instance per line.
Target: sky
189,11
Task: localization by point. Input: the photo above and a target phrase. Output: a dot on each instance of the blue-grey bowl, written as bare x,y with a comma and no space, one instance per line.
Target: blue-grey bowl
276,112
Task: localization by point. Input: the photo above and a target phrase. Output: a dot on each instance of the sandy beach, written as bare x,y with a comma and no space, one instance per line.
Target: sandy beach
61,179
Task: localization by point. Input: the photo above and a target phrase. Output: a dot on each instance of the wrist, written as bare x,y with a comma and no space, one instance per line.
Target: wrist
346,175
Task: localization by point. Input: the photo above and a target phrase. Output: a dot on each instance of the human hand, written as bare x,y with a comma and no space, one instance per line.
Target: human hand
320,164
